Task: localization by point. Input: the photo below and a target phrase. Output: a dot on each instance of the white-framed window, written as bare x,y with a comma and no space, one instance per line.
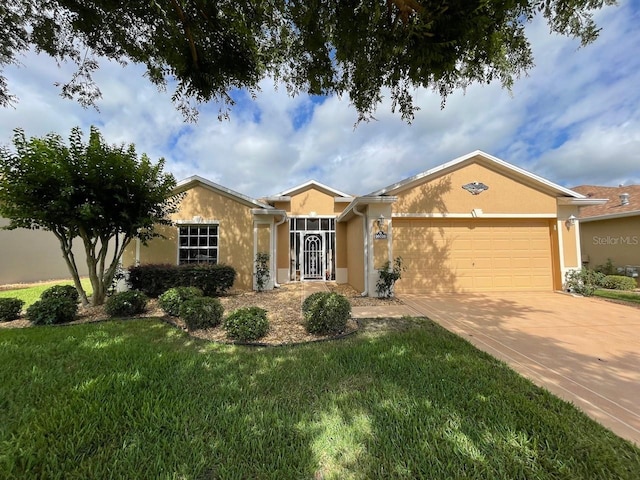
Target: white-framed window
197,243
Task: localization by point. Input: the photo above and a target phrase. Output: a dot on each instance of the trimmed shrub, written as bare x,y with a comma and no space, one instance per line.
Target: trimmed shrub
201,312
583,281
247,324
153,280
619,282
126,304
61,291
171,300
10,308
326,313
52,310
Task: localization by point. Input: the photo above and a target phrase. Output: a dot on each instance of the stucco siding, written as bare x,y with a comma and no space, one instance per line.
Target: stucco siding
445,195
617,239
355,260
312,200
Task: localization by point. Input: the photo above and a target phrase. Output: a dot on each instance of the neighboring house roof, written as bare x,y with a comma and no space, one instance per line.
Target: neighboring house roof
483,158
614,206
286,195
188,183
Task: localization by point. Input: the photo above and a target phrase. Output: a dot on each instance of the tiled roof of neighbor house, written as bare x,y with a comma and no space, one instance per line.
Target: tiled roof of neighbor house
614,206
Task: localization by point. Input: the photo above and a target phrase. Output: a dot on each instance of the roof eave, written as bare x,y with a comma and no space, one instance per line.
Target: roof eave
366,200
185,184
610,216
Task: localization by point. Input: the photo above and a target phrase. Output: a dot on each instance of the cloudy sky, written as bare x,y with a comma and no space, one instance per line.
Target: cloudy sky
574,120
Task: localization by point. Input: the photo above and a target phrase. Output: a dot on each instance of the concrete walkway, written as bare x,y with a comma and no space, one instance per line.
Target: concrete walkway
584,350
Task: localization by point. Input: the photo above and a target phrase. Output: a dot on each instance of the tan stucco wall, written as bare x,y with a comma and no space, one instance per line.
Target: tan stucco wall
446,195
311,200
355,247
569,234
617,239
235,245
283,246
341,245
264,238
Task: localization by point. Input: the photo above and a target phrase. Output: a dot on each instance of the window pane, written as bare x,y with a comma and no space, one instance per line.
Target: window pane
184,230
213,241
193,230
193,241
204,231
213,230
313,224
203,241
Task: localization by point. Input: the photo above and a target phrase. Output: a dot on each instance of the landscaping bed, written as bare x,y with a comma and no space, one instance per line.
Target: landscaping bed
282,304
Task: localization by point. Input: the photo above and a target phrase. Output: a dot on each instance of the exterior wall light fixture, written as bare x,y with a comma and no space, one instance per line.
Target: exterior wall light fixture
571,221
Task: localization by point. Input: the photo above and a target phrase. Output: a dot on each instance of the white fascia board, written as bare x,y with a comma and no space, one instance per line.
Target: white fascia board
312,183
582,202
278,198
343,199
610,216
470,215
404,184
184,185
273,211
366,200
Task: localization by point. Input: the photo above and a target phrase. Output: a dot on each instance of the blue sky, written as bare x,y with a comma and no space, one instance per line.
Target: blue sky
575,119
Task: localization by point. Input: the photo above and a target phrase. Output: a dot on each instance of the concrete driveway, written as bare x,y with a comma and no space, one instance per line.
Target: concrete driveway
584,350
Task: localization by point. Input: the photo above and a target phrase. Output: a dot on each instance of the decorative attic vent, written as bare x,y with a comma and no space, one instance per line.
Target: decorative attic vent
475,188
624,199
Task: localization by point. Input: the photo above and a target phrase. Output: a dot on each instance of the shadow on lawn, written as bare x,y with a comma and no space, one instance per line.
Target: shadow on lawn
419,403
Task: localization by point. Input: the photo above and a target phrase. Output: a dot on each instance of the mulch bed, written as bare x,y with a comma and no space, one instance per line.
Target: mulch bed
284,313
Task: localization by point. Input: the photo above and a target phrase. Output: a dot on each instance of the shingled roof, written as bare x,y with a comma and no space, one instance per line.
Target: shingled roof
614,207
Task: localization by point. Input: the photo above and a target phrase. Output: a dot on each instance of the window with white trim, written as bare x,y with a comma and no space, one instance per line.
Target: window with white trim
197,244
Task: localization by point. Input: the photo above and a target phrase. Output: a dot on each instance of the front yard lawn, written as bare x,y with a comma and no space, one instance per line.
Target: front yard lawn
141,399
31,293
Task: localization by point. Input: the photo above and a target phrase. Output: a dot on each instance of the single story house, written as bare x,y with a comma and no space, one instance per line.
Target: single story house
474,224
611,231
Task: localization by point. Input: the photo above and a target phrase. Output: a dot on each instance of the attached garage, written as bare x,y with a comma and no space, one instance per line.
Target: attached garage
474,255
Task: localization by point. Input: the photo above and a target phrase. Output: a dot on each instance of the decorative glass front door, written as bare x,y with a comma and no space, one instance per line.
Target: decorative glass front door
313,257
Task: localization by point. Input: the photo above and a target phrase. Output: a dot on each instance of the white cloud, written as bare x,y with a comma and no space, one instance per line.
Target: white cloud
573,120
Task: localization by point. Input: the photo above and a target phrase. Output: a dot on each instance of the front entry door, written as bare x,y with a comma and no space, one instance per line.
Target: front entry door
313,257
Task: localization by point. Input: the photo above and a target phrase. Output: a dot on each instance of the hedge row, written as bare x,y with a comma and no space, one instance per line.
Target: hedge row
153,280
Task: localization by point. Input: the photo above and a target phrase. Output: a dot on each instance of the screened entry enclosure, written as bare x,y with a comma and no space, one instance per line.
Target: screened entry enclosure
313,242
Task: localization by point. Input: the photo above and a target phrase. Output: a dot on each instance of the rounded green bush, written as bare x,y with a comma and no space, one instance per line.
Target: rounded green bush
61,291
201,312
247,324
10,308
52,310
619,282
126,304
171,300
326,313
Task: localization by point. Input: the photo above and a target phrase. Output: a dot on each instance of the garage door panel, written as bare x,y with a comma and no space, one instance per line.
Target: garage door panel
473,255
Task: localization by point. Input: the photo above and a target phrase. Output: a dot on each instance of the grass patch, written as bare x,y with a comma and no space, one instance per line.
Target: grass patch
618,295
140,399
31,294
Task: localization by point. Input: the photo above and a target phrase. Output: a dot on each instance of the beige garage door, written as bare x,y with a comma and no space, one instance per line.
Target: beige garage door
473,255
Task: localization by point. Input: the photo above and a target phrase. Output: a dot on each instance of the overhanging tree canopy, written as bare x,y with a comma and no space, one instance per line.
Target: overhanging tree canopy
357,47
102,194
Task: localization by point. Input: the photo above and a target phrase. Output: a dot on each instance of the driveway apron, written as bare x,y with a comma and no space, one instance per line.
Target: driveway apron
584,350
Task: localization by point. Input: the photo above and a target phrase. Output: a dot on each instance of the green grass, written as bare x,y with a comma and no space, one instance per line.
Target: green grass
140,399
618,295
32,293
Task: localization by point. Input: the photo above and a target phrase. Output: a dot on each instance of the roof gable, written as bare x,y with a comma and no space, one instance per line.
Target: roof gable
311,184
483,158
194,180
613,207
